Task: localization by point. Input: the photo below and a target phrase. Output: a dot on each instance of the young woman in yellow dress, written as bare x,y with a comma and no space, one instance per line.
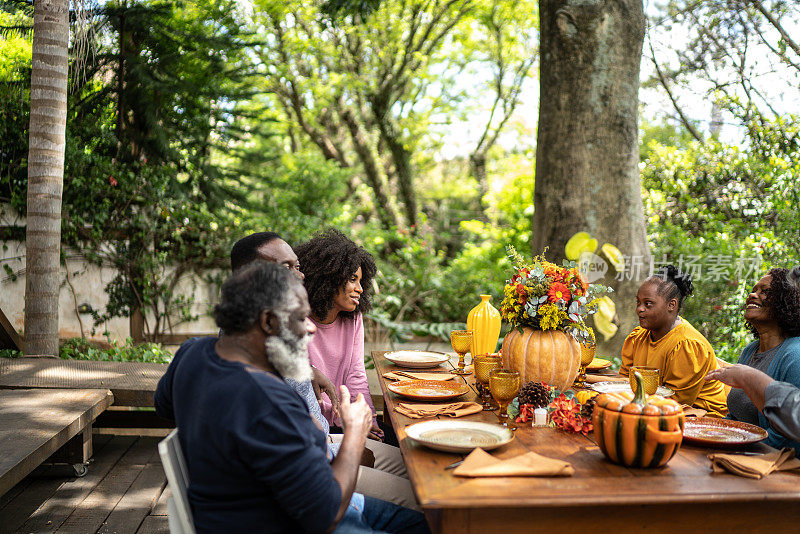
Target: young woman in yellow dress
667,341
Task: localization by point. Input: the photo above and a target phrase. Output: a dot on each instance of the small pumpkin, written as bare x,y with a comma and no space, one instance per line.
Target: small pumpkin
550,356
585,394
638,430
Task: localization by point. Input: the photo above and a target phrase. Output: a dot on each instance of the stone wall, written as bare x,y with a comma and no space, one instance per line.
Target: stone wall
86,285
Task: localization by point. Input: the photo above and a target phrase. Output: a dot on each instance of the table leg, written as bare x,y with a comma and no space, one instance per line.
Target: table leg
77,450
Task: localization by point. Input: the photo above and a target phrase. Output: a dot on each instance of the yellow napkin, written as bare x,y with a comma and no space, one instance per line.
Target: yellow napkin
454,409
392,375
480,463
754,466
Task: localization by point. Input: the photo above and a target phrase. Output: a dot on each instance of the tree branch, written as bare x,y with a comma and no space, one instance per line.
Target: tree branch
689,126
777,25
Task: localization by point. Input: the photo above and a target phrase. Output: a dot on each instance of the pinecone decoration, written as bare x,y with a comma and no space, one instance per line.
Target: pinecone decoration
587,408
534,393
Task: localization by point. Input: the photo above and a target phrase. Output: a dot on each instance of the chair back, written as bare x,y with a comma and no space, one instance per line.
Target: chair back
180,513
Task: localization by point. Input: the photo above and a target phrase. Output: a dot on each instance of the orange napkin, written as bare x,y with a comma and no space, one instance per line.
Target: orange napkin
480,463
754,466
689,411
454,409
593,379
393,375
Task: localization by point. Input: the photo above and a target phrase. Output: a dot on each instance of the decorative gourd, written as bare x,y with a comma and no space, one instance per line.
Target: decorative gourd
584,395
484,321
549,356
640,430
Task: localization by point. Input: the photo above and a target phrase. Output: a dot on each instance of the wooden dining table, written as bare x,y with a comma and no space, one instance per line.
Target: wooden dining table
683,496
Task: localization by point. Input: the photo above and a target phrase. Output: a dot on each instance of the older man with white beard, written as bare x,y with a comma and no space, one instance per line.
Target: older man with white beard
257,462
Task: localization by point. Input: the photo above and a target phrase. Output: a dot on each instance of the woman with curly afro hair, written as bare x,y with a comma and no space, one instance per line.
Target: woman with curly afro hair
772,310
338,279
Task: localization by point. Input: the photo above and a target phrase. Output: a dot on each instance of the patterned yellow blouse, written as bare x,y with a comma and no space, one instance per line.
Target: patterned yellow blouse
683,357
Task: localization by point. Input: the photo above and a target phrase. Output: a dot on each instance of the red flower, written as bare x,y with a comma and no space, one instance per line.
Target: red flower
566,414
520,289
559,291
112,181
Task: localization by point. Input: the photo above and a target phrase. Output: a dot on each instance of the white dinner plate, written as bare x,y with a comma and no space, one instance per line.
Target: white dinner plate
613,387
459,436
416,359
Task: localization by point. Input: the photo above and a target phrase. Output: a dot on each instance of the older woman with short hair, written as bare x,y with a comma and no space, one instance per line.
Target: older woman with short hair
772,310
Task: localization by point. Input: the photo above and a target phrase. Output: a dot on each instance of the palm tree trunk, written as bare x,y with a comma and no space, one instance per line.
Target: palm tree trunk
46,174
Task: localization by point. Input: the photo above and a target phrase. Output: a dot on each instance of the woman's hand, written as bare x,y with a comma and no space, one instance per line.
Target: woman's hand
375,433
322,384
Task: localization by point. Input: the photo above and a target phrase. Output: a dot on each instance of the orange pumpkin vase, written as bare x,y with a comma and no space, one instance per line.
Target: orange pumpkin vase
638,430
549,356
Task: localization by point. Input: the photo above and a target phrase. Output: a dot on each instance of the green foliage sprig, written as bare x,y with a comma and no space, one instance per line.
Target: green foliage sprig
82,349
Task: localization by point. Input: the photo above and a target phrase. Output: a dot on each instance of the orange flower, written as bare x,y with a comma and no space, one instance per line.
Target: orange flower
565,414
559,291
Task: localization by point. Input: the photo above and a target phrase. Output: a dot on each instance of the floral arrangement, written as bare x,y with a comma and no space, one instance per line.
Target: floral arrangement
544,296
564,409
567,414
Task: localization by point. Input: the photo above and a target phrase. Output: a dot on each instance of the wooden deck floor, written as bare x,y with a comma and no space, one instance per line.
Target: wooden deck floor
124,492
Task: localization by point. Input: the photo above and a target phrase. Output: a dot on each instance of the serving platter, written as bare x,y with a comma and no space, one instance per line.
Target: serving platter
432,390
614,387
597,364
416,359
714,432
459,436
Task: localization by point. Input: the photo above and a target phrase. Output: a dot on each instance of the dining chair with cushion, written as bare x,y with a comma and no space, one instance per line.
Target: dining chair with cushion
180,514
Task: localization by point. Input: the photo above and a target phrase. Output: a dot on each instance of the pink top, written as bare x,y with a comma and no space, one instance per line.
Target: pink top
337,349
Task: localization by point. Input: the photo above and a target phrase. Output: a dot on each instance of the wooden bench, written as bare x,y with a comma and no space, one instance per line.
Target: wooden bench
132,383
37,425
9,338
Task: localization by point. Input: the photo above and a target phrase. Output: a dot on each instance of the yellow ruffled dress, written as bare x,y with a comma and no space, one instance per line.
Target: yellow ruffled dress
684,357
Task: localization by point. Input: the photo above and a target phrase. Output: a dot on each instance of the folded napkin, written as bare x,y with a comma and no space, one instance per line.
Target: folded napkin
689,411
393,375
754,466
454,409
593,379
480,463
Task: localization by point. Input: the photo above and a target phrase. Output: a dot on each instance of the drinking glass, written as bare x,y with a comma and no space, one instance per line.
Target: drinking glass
650,378
504,385
587,355
461,340
483,365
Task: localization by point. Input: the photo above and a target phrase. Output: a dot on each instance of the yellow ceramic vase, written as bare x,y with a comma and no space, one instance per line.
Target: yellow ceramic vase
484,321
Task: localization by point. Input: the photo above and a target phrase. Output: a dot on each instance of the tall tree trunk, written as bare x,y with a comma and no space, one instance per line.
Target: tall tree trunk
46,174
385,208
587,175
401,158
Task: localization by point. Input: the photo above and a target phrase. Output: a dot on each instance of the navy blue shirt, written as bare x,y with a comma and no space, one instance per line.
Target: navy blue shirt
257,462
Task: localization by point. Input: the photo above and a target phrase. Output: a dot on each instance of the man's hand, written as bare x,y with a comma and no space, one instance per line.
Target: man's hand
356,416
752,381
322,384
737,376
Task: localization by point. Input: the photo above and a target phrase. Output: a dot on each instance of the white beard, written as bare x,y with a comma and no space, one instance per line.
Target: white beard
288,354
